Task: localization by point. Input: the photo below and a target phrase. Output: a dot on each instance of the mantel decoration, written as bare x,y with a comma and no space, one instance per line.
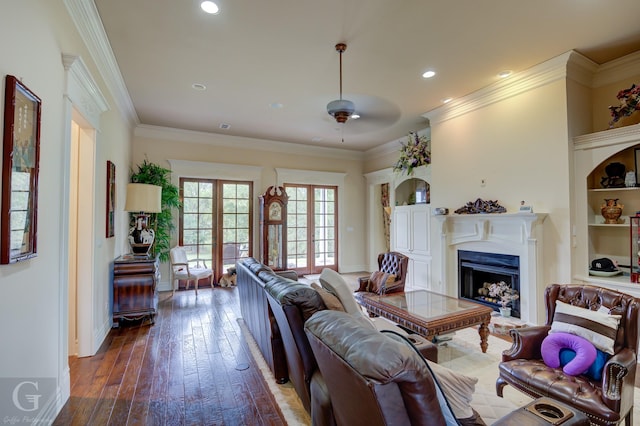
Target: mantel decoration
415,153
481,206
629,103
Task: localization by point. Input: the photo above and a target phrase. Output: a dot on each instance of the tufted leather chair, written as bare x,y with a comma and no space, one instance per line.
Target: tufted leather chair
392,263
605,402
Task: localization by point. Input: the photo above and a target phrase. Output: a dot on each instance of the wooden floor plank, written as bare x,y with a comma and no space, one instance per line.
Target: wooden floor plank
179,371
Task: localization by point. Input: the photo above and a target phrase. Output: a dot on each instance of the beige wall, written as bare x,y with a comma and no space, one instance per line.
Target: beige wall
166,144
33,310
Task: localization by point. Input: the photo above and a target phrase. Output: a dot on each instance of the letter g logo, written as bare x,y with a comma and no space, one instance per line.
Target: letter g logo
34,399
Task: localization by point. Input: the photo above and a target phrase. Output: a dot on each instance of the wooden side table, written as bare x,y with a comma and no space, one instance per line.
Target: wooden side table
134,288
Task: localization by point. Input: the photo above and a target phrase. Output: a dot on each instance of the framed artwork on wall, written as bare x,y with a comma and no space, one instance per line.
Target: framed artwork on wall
20,162
111,199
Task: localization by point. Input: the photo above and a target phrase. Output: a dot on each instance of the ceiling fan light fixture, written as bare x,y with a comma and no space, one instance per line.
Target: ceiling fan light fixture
341,109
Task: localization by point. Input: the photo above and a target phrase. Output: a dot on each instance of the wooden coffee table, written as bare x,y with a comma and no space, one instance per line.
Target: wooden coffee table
429,314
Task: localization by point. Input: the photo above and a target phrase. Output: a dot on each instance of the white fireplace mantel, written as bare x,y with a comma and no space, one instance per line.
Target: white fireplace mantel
517,234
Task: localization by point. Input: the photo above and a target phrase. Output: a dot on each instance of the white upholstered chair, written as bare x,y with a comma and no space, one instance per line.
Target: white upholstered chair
190,270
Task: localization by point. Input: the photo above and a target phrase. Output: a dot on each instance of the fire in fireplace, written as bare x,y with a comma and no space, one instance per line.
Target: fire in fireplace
479,270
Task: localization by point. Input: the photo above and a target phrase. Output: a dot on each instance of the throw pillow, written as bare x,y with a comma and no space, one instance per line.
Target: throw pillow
595,370
585,352
597,327
379,280
457,388
335,284
329,299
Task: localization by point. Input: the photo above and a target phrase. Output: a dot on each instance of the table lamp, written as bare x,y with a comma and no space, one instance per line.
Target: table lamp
143,199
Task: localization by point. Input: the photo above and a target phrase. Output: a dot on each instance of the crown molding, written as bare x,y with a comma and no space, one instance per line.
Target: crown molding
87,21
542,74
238,142
613,71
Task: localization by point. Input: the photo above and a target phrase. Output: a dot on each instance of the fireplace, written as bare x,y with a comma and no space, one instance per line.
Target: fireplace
478,270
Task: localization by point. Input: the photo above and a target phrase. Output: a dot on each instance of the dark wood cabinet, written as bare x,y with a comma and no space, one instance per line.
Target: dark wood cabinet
134,288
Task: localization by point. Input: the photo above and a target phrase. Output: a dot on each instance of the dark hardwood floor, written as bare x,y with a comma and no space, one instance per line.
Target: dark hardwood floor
179,371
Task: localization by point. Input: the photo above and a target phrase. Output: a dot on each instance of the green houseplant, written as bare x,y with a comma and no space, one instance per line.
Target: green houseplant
153,174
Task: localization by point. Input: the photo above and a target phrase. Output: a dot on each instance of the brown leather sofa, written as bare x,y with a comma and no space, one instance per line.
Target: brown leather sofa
605,402
376,378
258,316
292,304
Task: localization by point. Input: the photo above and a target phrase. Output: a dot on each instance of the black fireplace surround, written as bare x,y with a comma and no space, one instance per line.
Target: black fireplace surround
476,268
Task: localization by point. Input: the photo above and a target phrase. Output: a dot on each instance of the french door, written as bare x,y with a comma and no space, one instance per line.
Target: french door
312,224
215,221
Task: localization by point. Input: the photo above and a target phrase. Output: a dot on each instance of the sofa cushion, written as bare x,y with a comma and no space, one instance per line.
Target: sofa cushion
597,327
595,369
288,292
335,284
329,299
584,352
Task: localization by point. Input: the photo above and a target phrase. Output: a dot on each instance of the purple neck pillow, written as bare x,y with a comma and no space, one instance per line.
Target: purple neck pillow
585,352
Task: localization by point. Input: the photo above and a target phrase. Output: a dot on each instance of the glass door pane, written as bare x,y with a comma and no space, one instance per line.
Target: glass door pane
236,222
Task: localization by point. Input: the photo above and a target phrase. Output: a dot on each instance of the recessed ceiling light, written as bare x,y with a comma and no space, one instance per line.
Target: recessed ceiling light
447,100
199,86
225,126
316,139
504,74
428,74
276,105
354,116
209,7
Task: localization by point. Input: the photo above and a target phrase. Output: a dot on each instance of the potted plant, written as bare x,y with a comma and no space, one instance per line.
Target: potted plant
153,174
506,294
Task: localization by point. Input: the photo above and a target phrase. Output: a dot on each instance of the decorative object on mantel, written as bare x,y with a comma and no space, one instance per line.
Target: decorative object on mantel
481,206
524,208
415,153
440,211
629,103
615,175
611,210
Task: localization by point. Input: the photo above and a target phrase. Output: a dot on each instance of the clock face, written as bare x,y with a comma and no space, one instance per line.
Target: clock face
275,211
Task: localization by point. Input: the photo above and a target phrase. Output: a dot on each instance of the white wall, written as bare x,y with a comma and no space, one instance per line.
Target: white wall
33,309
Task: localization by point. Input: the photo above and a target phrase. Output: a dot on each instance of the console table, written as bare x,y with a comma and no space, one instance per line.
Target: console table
134,288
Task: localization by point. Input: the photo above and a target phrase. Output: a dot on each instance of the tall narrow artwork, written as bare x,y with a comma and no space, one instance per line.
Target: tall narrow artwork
111,199
20,166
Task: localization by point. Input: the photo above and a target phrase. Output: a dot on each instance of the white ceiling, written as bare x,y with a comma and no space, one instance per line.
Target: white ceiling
256,53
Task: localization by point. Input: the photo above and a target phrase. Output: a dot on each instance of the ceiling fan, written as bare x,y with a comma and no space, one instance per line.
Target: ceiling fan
341,109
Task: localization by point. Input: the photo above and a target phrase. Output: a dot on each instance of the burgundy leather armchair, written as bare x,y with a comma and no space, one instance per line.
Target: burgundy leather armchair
392,263
605,402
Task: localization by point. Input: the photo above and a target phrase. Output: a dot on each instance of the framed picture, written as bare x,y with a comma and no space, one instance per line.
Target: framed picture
20,161
111,199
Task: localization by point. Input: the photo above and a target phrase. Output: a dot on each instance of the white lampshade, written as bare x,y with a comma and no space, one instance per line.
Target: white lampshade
142,197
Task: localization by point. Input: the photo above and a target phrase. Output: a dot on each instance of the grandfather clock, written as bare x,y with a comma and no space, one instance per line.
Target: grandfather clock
273,227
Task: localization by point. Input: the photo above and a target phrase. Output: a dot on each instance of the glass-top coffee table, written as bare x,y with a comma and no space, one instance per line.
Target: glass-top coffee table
429,314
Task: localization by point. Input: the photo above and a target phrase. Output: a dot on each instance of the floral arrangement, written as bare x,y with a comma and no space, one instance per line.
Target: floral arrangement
629,103
504,292
414,153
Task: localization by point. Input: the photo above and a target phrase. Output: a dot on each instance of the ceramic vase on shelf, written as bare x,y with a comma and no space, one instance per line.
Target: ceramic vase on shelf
611,210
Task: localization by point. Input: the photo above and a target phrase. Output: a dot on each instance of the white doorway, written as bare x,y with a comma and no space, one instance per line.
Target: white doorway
81,236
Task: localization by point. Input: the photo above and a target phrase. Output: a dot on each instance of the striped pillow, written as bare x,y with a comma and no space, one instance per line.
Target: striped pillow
597,327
